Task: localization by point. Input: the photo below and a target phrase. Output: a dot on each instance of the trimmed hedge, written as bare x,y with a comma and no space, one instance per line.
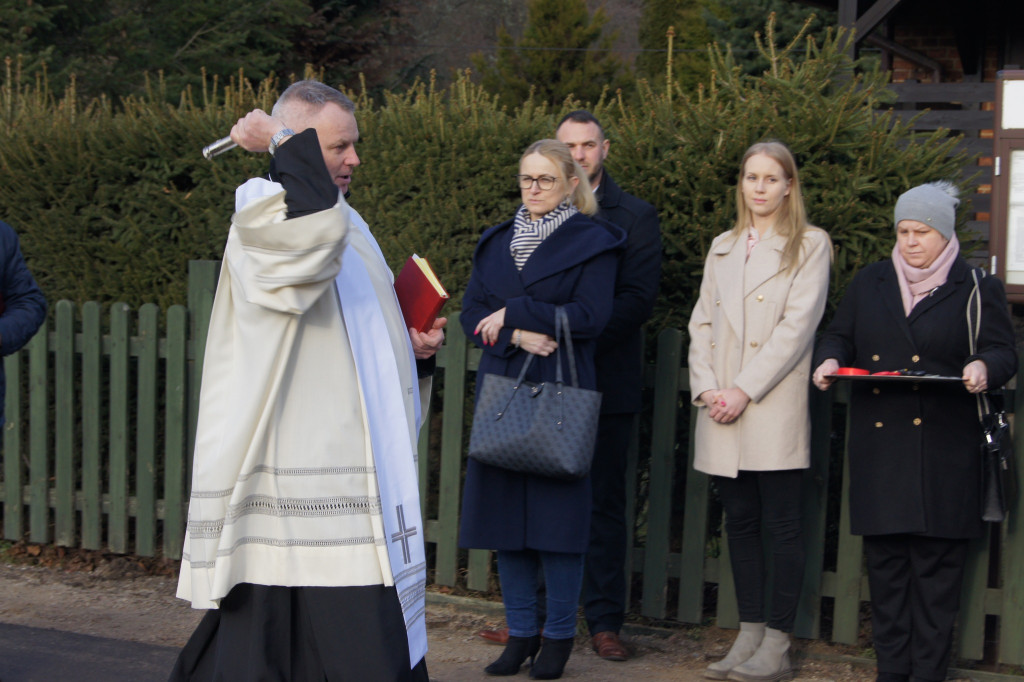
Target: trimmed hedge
111,204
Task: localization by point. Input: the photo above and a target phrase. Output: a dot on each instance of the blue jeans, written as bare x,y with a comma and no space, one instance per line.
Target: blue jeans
563,577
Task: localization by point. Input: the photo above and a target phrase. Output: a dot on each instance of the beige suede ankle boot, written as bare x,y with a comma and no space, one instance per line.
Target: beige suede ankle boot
743,648
770,663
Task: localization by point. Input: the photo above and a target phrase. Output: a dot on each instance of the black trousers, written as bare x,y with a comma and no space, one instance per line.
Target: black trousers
774,498
301,634
915,596
604,572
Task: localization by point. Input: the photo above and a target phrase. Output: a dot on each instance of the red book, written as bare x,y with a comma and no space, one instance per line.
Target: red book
419,293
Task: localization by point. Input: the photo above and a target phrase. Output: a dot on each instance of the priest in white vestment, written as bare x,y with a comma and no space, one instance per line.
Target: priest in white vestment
304,534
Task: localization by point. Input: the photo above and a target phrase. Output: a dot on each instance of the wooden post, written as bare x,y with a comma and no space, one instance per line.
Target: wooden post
92,408
145,429
39,436
175,430
663,441
14,469
120,355
847,15
64,420
450,482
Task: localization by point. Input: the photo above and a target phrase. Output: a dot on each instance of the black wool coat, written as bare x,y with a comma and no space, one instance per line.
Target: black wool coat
914,456
619,356
574,268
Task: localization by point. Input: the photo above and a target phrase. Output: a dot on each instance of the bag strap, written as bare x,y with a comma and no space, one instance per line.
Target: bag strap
562,322
973,329
522,372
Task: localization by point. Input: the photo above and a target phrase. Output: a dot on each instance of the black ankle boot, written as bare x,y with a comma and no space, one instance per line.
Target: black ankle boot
516,651
551,660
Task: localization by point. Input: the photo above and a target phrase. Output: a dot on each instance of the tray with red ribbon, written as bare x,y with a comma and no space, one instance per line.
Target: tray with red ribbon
857,374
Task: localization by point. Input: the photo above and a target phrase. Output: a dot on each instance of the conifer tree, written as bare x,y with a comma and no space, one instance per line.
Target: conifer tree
689,46
735,23
562,52
111,47
23,28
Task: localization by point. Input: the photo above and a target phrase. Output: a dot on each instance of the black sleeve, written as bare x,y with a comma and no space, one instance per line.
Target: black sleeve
838,340
425,368
299,166
636,283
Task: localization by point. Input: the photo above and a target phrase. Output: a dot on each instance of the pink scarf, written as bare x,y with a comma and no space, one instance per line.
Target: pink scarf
753,237
917,283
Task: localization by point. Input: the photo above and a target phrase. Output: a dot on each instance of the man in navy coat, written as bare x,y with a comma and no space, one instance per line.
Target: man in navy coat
619,362
619,365
22,304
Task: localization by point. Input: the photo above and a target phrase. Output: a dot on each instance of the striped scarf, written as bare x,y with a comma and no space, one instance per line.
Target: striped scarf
527,235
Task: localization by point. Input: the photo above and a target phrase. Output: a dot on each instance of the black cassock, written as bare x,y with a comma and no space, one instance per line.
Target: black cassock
301,634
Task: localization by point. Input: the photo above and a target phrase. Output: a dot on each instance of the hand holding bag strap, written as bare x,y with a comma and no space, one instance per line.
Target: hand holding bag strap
973,328
560,318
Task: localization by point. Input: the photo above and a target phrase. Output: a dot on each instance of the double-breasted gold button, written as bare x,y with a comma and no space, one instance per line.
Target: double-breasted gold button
915,358
753,344
878,425
760,298
876,391
718,302
917,421
712,344
875,358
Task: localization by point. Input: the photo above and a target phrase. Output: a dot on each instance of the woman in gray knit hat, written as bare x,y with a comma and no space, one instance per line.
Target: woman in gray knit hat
914,462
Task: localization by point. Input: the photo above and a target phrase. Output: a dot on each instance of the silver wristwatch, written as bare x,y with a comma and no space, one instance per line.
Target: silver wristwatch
278,136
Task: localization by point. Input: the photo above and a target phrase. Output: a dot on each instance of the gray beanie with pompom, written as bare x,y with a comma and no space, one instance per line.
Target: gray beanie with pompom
933,204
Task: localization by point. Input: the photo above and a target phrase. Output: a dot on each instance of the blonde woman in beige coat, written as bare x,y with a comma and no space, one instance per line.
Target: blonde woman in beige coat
751,336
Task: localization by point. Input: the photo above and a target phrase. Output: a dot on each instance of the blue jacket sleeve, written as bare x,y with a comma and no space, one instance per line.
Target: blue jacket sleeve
478,303
24,306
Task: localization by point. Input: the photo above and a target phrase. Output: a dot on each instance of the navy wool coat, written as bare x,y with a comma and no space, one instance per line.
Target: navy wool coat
22,304
915,464
574,267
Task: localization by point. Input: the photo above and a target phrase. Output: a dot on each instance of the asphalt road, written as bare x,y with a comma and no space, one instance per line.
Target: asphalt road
36,655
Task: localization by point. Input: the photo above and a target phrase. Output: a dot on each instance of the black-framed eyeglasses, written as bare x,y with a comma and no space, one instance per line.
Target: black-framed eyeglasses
545,182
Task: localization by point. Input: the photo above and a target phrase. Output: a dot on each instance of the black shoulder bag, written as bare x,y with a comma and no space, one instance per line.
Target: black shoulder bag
545,429
996,440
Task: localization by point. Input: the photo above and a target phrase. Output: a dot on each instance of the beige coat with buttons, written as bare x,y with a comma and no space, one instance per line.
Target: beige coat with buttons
753,328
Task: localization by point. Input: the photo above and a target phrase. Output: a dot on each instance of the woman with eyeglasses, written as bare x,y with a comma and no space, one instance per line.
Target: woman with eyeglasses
552,253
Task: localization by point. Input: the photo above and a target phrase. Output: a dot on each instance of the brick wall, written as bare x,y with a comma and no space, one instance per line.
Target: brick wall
936,42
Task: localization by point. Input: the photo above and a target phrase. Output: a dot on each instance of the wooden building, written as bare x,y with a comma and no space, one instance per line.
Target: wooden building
945,56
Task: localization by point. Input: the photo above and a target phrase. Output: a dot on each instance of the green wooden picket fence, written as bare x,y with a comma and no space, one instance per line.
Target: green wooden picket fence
101,415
